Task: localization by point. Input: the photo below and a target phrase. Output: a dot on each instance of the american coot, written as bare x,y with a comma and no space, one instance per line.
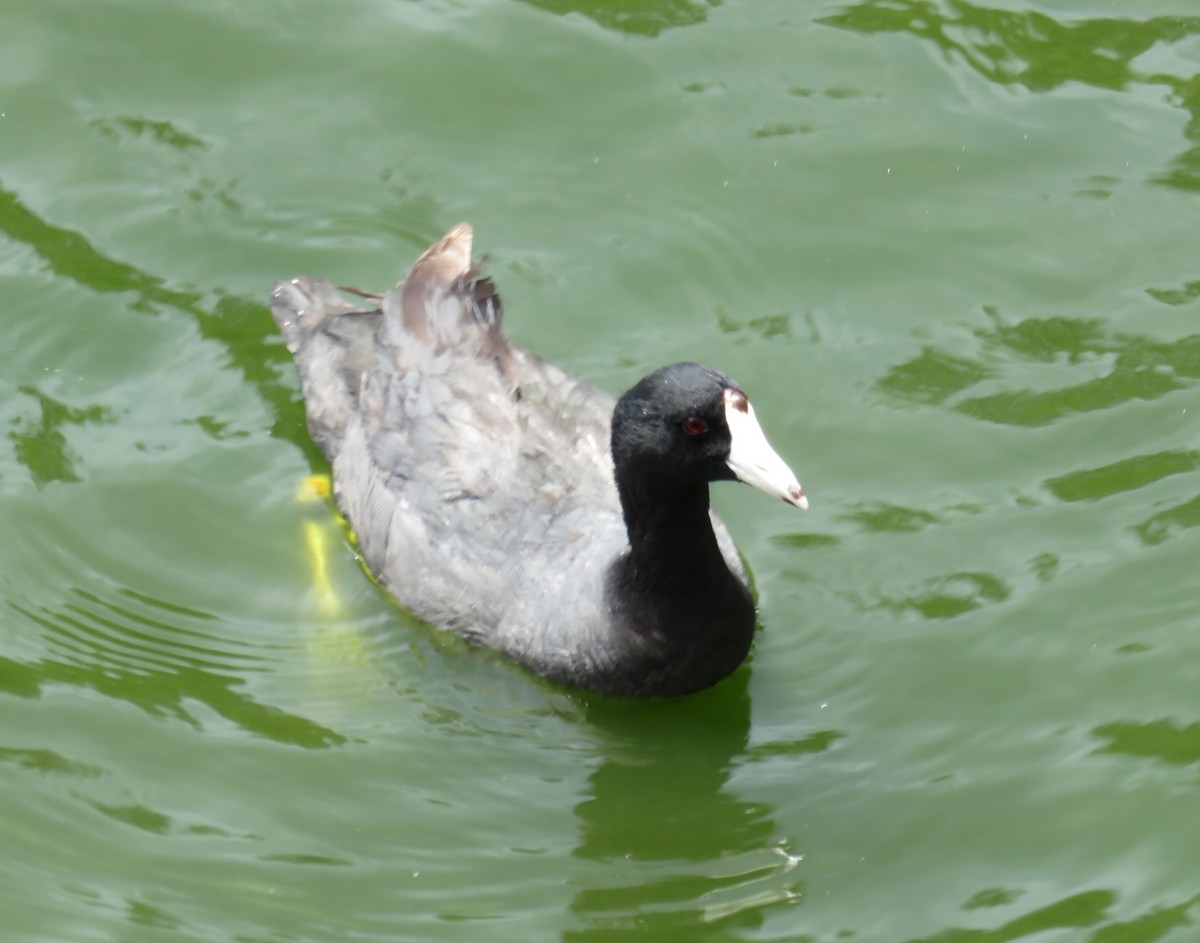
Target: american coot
497,496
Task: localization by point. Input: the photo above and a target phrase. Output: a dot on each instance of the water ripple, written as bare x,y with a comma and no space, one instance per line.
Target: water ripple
162,657
241,327
1031,49
87,631
1137,368
1084,910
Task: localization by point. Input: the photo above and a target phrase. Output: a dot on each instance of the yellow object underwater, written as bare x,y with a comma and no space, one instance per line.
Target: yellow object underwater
336,641
310,490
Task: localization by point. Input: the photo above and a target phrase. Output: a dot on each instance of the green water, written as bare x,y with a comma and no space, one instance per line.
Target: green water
950,250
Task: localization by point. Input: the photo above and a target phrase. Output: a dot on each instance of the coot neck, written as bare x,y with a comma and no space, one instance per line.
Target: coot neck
680,617
670,532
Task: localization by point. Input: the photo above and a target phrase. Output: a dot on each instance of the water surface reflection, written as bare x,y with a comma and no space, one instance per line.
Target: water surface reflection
683,854
1041,53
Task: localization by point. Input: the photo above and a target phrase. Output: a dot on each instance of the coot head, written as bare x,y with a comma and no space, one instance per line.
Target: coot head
689,424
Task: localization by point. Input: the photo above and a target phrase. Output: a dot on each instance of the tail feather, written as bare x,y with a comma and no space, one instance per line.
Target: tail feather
333,344
444,303
447,303
436,273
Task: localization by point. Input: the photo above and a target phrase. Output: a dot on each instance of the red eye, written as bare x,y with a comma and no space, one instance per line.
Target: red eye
695,425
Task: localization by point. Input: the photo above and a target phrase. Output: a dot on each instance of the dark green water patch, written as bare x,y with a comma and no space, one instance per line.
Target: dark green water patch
41,444
1160,526
950,596
634,17
47,761
932,377
1127,475
1165,740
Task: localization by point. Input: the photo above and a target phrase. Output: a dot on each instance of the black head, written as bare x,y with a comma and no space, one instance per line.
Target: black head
671,424
687,423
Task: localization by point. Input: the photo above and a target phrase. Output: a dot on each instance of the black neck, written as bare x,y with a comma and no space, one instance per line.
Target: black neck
670,532
673,596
